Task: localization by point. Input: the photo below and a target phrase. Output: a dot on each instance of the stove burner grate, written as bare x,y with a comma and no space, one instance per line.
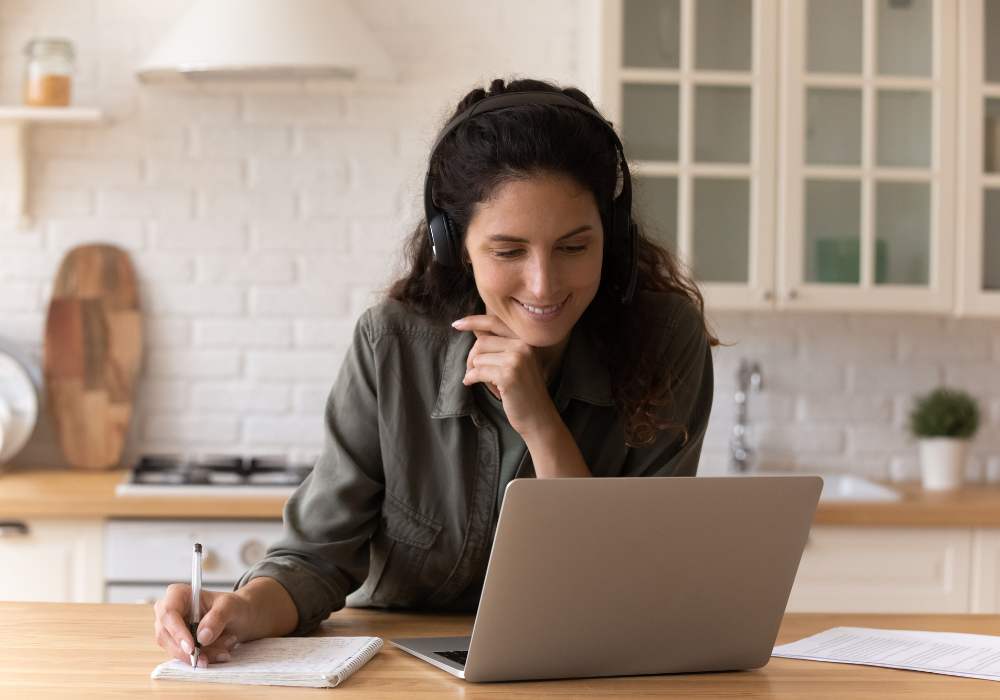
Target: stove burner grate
221,470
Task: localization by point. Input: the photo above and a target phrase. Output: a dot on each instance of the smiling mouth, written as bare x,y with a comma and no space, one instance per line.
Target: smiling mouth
543,311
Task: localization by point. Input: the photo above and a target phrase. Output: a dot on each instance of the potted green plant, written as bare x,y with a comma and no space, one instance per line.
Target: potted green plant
943,421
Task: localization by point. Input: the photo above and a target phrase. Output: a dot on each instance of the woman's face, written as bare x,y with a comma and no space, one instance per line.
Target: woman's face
536,249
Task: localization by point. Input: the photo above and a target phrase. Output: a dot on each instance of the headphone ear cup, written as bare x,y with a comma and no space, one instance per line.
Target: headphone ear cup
454,241
442,234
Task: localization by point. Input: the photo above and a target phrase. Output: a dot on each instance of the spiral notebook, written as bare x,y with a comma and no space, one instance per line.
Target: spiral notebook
310,662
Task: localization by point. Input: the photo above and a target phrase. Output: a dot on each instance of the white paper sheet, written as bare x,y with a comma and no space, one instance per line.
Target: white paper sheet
949,653
315,662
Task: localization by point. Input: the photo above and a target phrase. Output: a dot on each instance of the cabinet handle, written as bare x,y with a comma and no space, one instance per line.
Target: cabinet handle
768,295
252,552
13,528
208,560
793,294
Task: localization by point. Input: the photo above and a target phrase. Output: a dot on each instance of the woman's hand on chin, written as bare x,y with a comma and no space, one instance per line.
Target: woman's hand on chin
510,368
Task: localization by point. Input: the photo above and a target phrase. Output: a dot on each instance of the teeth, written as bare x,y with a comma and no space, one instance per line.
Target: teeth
540,309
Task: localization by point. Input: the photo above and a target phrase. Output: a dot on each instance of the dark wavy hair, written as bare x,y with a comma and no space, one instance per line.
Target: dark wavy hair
494,148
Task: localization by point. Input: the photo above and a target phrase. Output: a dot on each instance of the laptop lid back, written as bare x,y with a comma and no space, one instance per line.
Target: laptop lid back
629,575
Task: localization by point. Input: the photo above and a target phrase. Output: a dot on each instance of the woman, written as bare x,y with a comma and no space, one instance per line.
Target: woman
540,335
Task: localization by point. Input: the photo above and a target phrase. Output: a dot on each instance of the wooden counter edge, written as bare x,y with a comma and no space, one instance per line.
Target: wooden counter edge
65,493
57,660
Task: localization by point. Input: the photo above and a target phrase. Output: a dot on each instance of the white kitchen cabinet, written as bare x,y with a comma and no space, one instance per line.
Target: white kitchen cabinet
979,215
692,88
885,570
868,93
51,560
986,571
827,184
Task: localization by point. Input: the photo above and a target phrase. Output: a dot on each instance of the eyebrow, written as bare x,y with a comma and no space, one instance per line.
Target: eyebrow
502,238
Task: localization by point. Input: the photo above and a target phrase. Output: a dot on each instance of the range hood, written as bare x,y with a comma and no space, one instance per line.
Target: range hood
267,39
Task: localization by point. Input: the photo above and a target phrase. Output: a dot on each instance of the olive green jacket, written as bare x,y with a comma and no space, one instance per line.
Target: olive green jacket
400,508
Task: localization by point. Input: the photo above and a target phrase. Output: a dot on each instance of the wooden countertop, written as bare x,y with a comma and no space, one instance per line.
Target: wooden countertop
64,493
974,505
75,650
37,493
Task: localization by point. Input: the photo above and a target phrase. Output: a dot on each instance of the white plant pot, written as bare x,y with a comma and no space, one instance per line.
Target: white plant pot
942,462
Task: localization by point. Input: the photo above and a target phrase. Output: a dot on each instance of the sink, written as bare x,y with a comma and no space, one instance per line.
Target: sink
844,487
848,487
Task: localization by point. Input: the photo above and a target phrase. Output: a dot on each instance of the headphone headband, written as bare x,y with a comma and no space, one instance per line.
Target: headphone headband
446,241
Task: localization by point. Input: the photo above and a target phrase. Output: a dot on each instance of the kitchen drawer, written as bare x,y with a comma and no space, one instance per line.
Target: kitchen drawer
884,570
57,561
160,550
986,571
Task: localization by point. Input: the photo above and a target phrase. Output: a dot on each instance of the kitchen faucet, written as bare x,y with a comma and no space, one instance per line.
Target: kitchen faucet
748,378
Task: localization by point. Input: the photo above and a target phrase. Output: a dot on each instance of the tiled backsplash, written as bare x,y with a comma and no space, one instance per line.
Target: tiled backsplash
837,388
261,218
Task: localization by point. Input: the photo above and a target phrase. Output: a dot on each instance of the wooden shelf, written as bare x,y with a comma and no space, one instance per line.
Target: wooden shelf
16,113
15,120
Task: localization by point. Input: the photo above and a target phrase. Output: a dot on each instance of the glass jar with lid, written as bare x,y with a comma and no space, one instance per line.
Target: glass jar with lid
48,72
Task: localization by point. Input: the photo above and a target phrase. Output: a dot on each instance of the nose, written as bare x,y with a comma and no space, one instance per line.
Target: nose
539,280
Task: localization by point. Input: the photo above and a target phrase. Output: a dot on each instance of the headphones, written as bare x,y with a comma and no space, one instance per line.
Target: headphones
620,242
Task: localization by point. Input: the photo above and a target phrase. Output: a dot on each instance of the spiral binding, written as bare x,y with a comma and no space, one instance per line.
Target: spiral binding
360,659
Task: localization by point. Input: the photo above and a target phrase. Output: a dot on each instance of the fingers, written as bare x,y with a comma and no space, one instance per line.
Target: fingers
165,641
171,626
221,651
518,358
494,374
214,632
171,613
176,597
484,323
495,359
494,344
180,650
177,629
220,616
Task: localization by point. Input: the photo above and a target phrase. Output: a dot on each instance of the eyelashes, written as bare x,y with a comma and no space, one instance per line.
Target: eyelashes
516,253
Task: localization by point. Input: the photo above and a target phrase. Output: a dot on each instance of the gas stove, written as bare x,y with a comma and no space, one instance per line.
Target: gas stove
213,475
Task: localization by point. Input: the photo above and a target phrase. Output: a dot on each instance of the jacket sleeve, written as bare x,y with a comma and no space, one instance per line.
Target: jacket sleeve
688,356
329,520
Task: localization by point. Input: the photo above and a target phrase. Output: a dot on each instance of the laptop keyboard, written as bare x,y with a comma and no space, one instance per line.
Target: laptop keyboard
456,656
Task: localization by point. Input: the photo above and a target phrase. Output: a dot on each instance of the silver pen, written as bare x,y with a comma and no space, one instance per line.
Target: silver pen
195,603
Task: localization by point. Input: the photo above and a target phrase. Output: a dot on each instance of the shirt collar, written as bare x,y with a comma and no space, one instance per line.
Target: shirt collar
584,377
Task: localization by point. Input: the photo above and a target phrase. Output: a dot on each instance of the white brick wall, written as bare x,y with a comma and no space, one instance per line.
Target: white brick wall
261,219
838,388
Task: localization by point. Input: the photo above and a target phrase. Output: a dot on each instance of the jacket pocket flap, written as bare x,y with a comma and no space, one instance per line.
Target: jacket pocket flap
406,525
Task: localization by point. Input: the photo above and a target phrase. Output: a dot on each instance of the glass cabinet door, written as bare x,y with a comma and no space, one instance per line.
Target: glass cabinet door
869,162
979,215
691,86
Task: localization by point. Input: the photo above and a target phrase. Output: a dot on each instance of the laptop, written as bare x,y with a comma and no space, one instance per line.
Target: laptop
592,577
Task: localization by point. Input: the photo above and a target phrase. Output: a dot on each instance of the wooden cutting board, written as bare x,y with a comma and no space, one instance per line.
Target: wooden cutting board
93,352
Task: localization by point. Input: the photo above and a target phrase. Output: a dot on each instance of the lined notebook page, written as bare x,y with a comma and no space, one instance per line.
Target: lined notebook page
313,662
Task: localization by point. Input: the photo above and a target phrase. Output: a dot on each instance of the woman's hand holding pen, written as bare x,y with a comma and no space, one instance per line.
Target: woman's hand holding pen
225,622
261,608
509,366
